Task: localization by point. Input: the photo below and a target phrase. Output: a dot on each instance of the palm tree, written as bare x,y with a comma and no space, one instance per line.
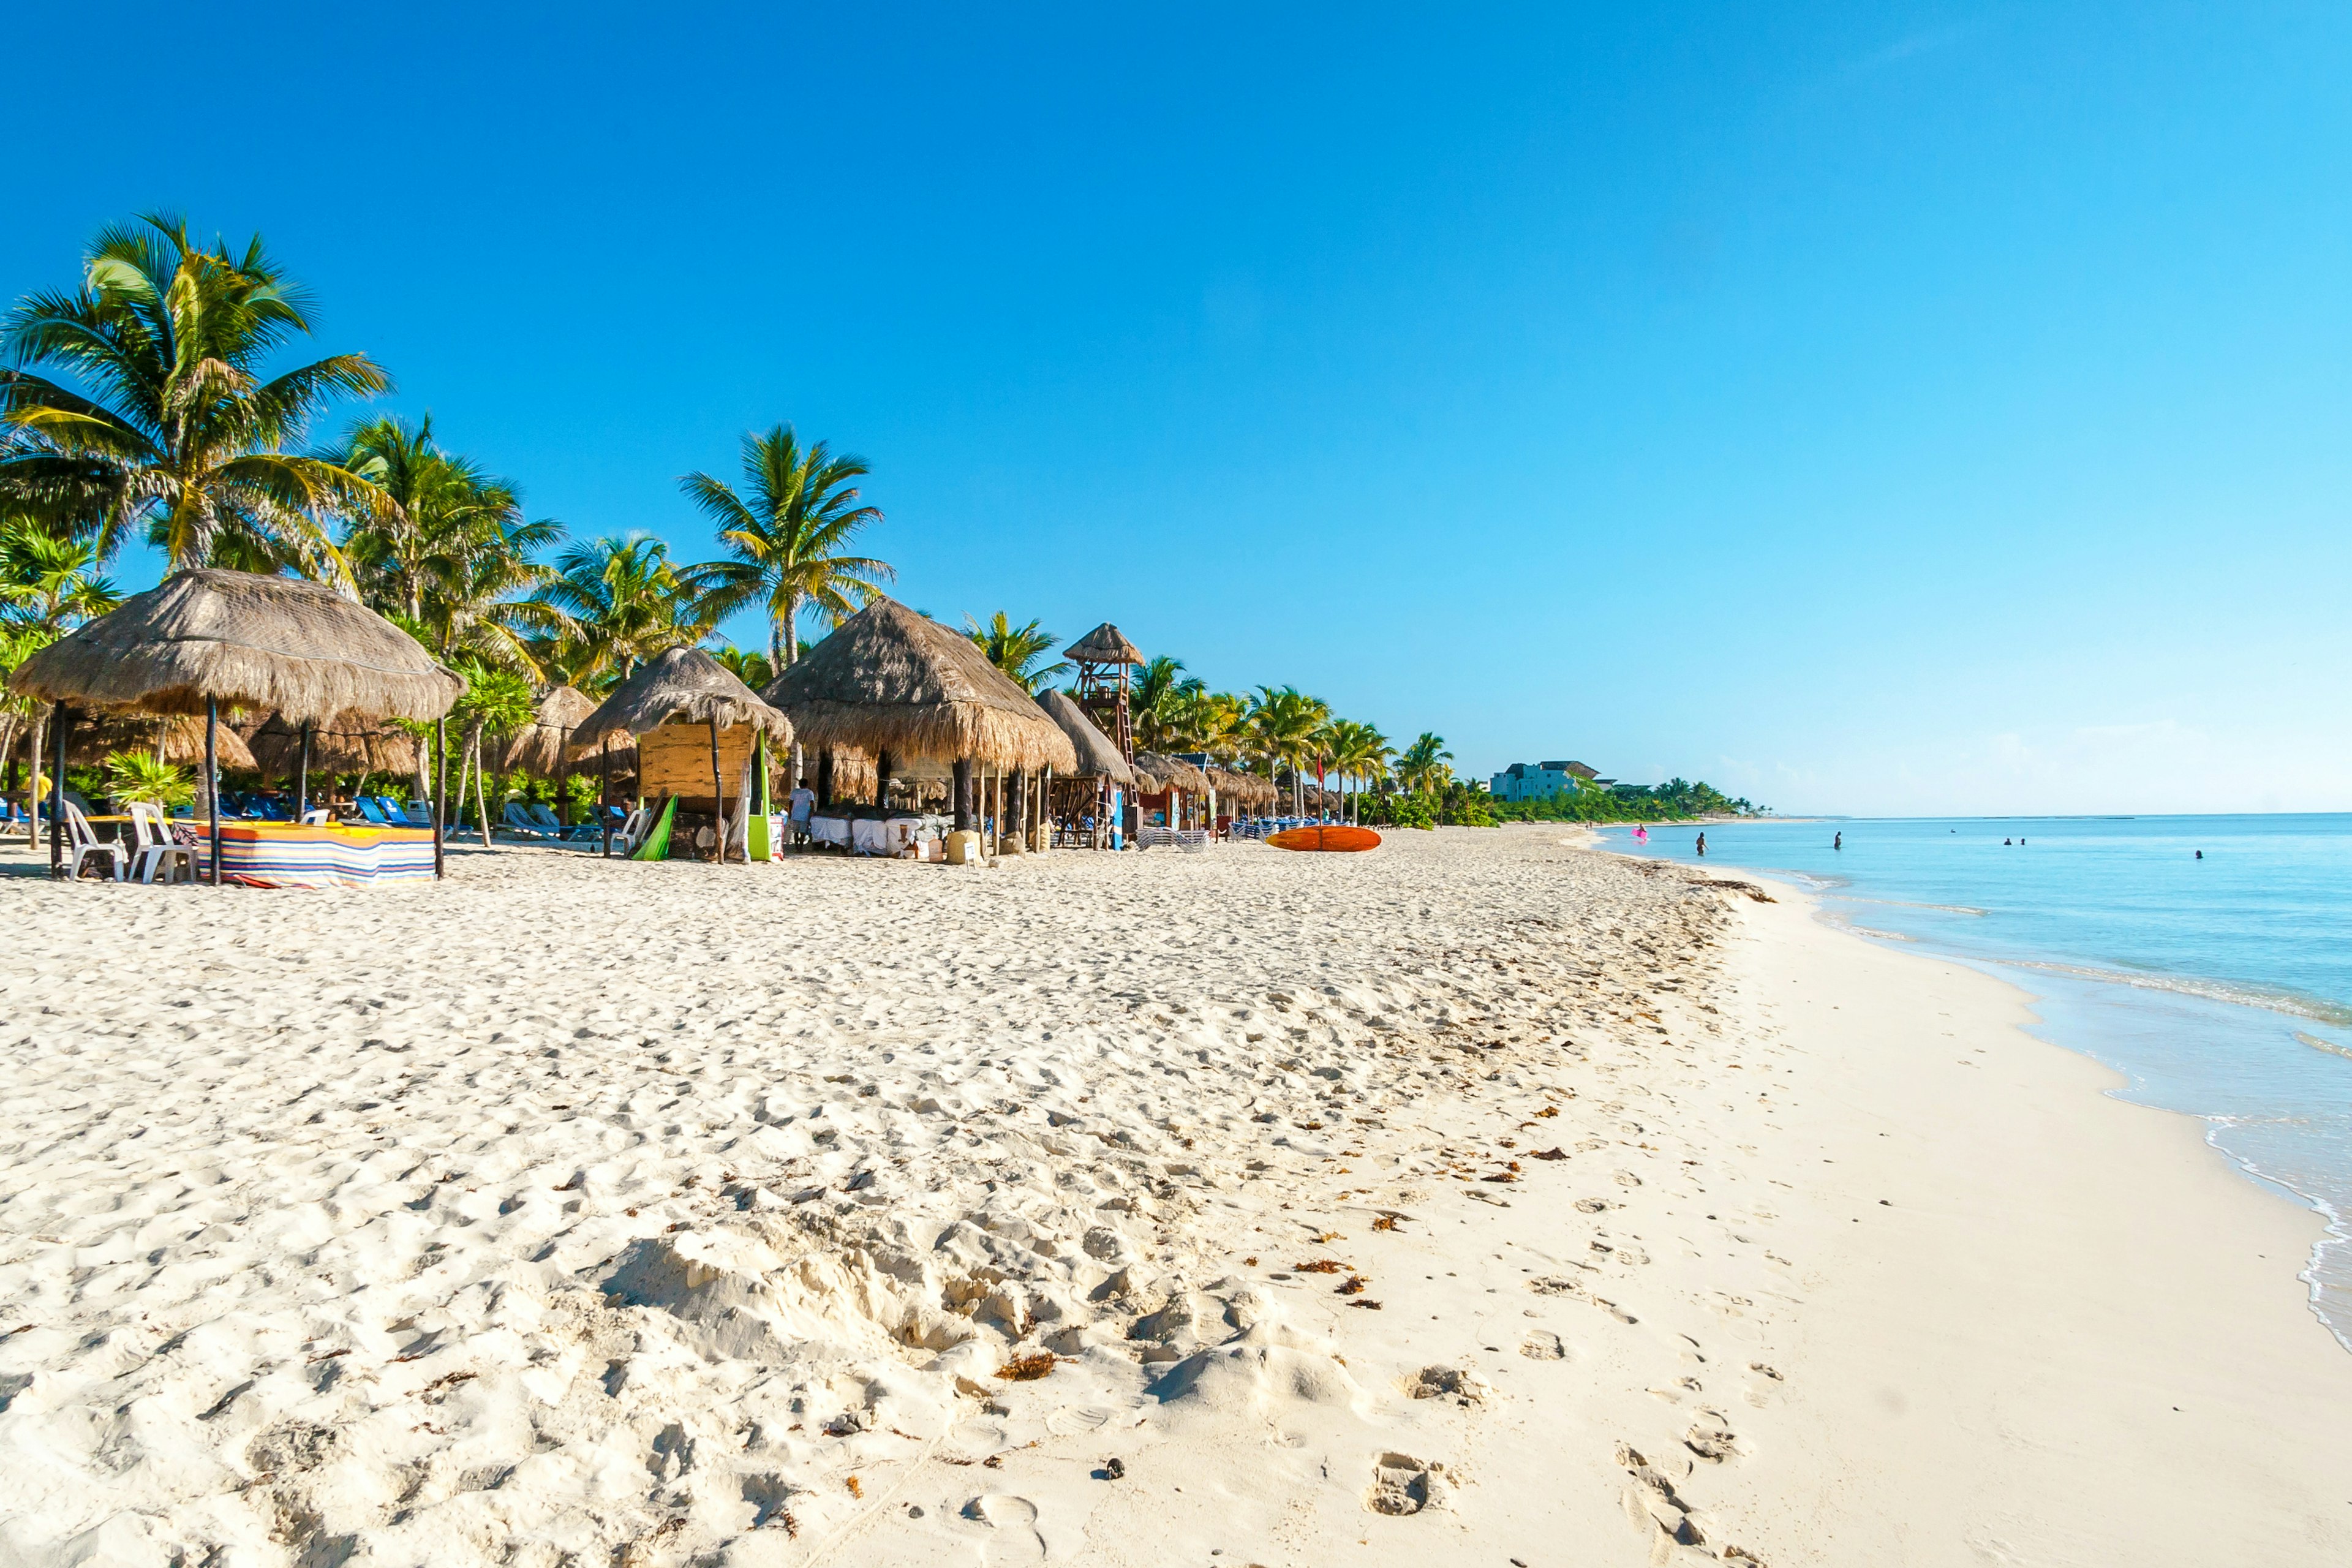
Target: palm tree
47,587
1423,765
786,530
1283,722
176,427
627,601
1360,753
1015,650
457,555
746,665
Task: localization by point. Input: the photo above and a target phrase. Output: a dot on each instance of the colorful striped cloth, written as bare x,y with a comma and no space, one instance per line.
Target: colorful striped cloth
282,855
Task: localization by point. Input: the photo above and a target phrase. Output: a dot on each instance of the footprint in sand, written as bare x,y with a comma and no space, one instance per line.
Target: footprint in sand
1014,1520
1402,1483
1711,1439
1542,1344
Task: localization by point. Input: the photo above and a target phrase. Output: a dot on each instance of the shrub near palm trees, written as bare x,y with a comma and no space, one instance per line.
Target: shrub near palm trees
175,426
786,530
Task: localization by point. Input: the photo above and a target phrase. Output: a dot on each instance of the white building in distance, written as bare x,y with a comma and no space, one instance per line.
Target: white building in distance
1542,781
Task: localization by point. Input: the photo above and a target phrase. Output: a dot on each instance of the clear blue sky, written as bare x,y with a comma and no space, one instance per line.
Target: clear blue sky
1869,407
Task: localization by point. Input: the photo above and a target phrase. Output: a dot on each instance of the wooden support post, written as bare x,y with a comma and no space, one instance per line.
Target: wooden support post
440,790
302,778
962,788
717,790
604,795
211,776
57,729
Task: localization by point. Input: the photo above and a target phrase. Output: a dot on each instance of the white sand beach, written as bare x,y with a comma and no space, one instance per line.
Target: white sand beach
1484,1199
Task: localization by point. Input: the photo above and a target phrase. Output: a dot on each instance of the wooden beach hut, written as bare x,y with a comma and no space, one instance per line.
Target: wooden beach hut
902,688
1094,788
673,704
210,638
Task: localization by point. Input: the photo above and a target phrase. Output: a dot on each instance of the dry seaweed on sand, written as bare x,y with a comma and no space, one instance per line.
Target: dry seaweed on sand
1027,1368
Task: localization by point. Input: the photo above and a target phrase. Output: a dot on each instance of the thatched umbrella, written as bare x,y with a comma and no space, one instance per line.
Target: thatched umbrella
1097,757
346,744
181,735
1104,645
543,748
1173,772
1241,789
209,637
898,684
684,683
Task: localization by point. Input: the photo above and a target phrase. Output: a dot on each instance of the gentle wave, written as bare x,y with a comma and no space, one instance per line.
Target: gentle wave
2317,1044
1906,904
2294,1006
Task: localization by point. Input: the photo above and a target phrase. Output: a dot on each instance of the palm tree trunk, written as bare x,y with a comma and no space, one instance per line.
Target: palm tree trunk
791,651
481,800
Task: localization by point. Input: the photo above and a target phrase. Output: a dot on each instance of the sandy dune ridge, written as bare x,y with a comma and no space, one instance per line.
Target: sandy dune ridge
1444,1199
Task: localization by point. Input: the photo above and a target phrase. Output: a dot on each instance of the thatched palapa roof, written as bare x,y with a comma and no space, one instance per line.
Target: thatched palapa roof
265,643
344,744
887,679
88,744
540,747
684,683
1172,773
1243,789
1097,757
1104,645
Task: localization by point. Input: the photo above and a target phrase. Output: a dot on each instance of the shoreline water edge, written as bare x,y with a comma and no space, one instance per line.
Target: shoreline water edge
1449,1202
2237,1052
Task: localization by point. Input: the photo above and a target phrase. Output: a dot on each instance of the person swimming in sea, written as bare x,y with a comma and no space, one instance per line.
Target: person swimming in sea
2201,854
1838,842
1702,845
2007,845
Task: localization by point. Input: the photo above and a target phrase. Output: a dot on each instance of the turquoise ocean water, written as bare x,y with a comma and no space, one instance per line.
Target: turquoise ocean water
2221,987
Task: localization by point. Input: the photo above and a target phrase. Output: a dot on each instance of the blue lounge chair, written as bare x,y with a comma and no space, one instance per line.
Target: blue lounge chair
518,820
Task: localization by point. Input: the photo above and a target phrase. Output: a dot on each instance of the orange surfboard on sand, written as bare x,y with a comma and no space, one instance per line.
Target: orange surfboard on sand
1328,835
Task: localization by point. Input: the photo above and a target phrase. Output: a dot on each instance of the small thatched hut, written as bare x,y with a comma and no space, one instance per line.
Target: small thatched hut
182,737
685,687
543,748
1096,756
1247,791
1080,806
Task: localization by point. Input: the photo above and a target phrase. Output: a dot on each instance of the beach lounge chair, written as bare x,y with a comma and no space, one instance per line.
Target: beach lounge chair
519,821
394,815
370,812
81,843
156,850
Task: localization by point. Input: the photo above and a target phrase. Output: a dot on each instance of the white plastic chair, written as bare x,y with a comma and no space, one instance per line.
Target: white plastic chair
317,816
156,851
82,843
634,830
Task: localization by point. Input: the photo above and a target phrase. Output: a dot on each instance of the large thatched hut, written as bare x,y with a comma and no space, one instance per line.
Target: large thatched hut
237,639
901,687
664,704
1171,788
208,639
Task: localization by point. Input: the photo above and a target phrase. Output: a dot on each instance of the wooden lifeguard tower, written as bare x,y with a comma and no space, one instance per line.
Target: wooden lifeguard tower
1104,658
